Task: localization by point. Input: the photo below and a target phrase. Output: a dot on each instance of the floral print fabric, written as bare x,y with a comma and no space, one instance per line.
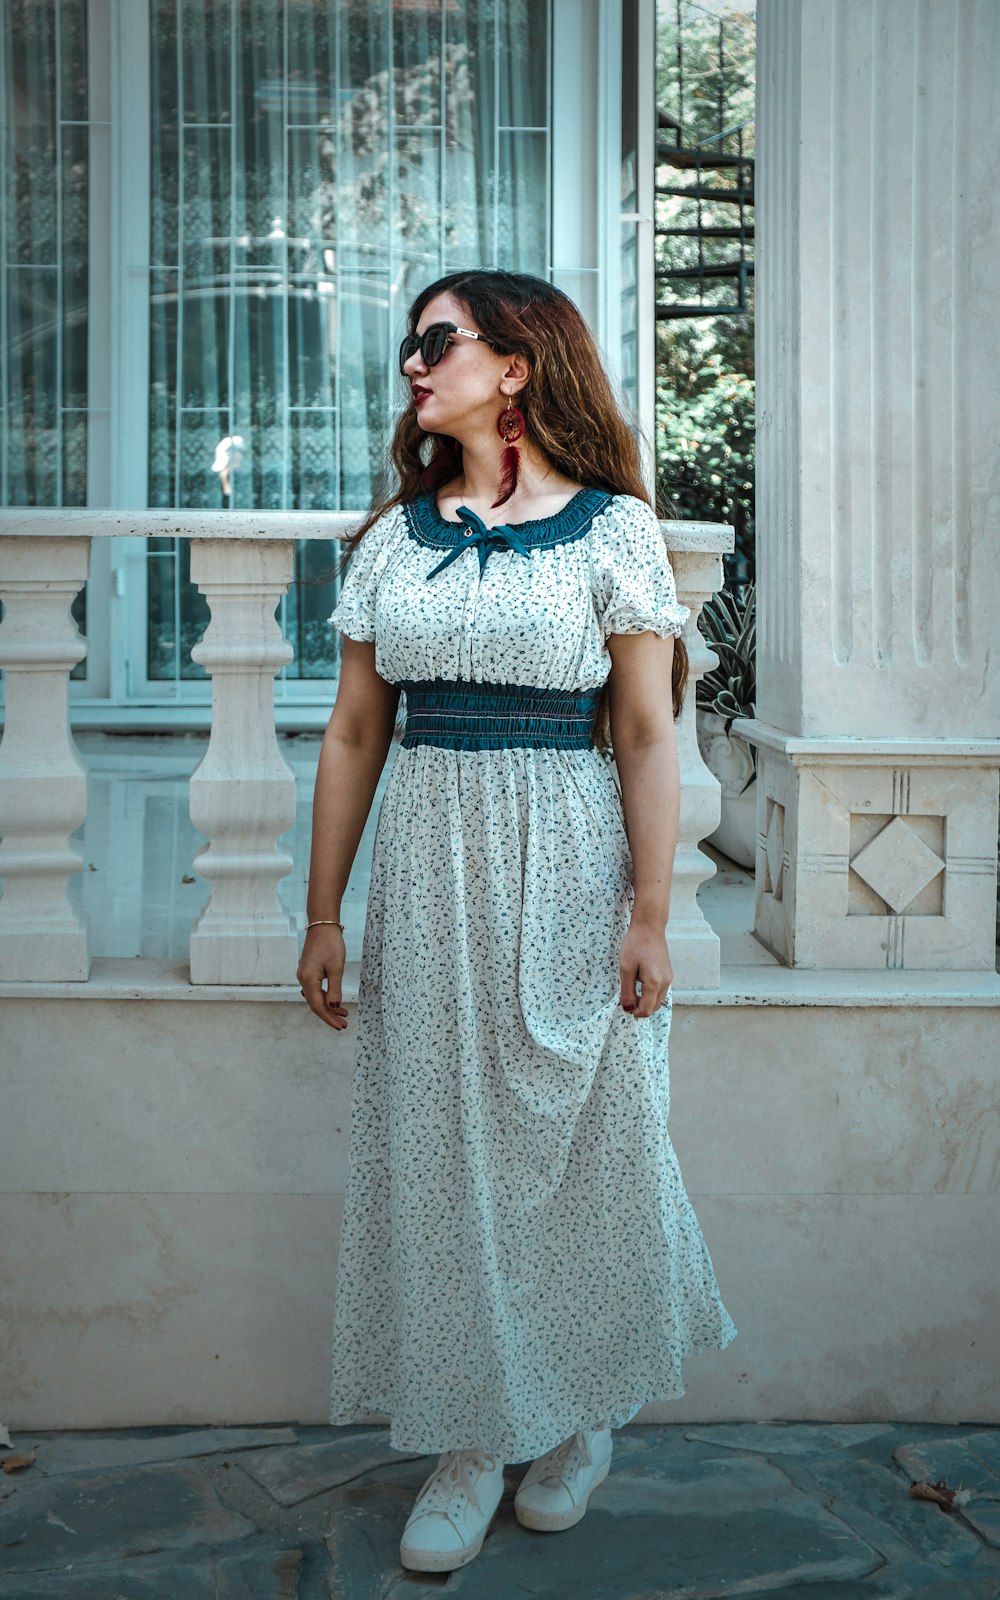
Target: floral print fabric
519,1257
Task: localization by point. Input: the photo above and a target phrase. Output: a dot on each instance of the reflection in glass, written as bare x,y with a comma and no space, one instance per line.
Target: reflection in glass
315,162
44,177
43,225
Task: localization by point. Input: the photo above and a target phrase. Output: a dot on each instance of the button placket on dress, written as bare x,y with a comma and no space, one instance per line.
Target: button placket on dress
485,550
469,616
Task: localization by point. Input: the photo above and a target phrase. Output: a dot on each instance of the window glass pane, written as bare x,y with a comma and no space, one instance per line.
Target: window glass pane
417,175
207,237
200,479
73,461
44,255
204,40
523,42
259,156
162,388
313,469
522,224
629,355
178,613
315,164
471,134
165,144
31,357
74,268
73,59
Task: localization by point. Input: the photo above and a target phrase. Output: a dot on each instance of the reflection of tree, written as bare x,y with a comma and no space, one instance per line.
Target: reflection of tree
46,200
390,166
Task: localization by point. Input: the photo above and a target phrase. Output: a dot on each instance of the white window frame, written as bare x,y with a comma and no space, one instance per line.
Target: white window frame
585,241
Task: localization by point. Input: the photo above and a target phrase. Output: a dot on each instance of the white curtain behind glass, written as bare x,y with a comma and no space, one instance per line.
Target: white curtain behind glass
44,175
314,164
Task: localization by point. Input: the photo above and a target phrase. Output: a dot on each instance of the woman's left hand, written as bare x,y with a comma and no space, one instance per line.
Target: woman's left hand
644,958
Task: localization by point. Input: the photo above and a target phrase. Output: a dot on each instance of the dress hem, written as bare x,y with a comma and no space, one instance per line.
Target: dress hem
598,1417
590,1423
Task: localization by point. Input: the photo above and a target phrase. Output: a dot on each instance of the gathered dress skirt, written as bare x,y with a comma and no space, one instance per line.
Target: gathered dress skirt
519,1257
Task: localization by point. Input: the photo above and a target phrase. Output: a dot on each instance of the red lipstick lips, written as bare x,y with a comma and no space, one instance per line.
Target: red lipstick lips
419,393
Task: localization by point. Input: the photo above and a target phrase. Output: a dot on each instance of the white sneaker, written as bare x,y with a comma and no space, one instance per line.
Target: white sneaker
453,1510
554,1492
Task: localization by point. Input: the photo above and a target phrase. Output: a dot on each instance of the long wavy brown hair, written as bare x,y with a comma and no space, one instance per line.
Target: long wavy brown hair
570,410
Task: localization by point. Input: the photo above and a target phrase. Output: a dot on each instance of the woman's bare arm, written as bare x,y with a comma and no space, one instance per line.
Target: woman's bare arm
645,749
352,756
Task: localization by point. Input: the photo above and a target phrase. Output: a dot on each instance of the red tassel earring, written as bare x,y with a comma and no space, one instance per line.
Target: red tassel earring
510,427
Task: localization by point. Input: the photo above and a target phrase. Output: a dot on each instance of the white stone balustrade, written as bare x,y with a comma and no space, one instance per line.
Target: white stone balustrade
242,794
694,947
43,781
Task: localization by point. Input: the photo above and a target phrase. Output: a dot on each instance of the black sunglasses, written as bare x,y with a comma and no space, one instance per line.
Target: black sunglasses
433,343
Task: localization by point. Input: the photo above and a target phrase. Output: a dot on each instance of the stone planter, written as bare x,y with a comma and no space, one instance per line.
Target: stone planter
728,756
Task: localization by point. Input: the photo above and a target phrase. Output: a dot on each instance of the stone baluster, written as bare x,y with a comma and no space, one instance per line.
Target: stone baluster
43,782
243,791
694,946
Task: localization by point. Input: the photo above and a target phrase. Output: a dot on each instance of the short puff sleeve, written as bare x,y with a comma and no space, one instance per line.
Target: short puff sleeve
633,581
354,613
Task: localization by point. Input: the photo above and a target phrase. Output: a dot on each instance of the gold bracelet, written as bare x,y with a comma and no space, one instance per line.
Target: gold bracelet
324,921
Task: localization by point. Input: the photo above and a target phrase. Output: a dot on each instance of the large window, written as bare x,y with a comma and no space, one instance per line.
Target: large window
213,214
313,166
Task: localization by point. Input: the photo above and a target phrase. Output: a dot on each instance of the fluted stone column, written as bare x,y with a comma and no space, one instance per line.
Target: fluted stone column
878,326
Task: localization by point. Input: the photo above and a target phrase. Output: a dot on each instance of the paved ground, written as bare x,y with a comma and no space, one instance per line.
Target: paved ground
804,1511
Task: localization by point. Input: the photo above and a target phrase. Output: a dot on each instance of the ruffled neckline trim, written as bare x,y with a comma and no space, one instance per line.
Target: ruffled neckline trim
426,524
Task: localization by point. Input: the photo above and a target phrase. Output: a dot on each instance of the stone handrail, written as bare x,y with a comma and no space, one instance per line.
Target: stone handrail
242,794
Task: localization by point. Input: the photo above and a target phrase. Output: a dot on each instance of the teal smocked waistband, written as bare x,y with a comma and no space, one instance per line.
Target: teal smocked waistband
461,715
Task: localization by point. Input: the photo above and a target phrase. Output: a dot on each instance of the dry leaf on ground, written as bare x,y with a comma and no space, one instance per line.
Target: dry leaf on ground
940,1494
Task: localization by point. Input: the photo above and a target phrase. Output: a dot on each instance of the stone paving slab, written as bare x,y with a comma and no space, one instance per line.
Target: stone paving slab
789,1438
731,1526
986,1520
293,1475
877,1503
954,1589
53,1522
789,1512
265,1572
102,1452
966,1461
918,1582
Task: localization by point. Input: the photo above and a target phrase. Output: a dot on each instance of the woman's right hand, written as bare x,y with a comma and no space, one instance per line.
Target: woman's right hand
323,956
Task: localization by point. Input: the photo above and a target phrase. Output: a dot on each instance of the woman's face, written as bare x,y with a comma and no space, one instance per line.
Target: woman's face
461,393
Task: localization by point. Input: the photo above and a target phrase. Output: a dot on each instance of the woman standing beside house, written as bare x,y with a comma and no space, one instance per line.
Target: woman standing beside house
520,1266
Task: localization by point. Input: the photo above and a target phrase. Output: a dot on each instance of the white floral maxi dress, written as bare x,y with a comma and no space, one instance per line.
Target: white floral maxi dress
519,1257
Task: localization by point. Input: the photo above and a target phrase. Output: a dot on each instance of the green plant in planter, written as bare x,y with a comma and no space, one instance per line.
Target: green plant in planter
728,621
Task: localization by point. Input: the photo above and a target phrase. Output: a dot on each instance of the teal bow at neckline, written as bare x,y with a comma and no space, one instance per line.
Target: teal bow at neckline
485,540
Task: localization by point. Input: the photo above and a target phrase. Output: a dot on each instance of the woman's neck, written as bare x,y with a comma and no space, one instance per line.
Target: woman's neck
541,489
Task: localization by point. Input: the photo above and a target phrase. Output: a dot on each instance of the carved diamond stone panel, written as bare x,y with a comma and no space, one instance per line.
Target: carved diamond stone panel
774,849
897,864
883,863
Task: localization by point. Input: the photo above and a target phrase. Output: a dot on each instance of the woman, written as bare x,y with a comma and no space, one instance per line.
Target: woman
520,1267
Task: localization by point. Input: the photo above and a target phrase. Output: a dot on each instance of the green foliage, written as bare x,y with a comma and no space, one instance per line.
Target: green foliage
728,622
703,98
705,363
705,431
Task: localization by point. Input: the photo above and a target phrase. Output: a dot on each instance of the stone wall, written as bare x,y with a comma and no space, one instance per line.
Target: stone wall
174,1176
